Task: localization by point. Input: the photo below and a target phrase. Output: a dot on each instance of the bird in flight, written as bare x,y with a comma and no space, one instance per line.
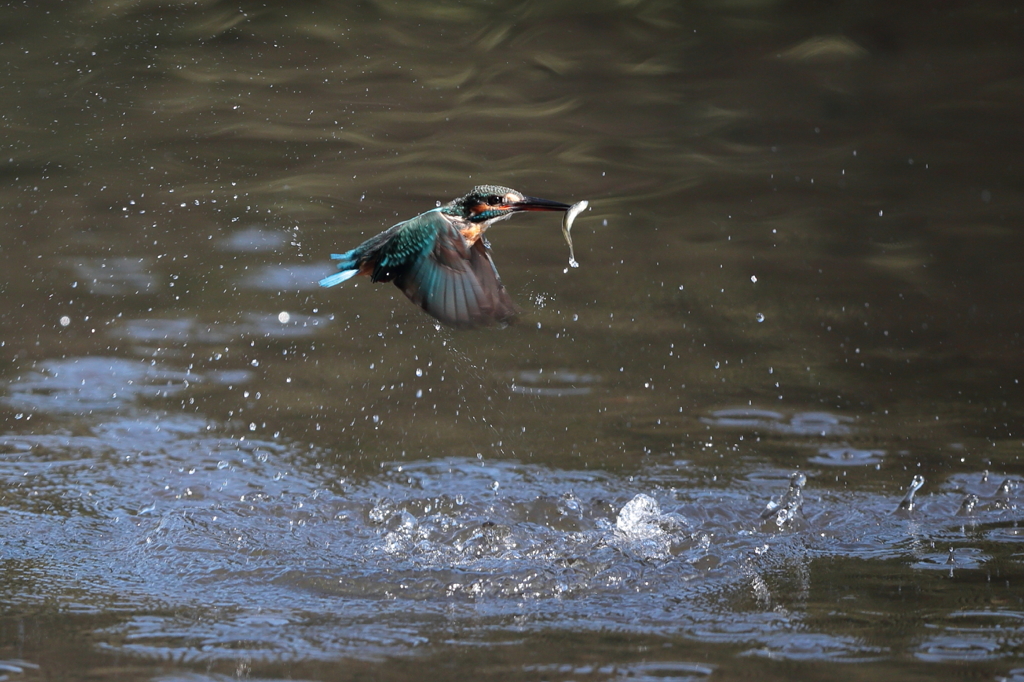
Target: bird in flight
441,260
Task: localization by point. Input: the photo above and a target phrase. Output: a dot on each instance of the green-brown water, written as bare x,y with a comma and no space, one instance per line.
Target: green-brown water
802,254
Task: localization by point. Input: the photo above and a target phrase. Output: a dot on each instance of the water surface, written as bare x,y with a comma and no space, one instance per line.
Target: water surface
801,256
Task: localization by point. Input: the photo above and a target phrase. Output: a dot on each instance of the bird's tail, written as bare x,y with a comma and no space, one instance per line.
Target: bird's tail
348,264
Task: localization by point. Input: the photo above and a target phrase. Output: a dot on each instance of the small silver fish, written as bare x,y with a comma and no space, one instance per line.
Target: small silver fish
567,219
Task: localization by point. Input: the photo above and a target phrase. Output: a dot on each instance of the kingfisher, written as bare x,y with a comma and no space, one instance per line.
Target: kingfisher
441,260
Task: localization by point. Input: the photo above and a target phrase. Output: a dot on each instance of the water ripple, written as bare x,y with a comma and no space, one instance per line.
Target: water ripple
280,326
799,424
91,384
116,276
847,457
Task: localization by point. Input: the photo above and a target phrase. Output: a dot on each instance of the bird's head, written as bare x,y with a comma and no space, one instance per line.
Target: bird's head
489,203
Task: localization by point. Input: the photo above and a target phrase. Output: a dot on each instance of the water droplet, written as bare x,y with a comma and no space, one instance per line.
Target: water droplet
255,363
753,278
65,321
283,317
759,317
419,372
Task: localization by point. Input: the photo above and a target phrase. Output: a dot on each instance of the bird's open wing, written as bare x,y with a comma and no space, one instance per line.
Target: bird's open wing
452,280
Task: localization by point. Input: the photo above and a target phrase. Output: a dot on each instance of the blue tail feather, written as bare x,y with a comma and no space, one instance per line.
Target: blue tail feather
338,278
349,256
348,264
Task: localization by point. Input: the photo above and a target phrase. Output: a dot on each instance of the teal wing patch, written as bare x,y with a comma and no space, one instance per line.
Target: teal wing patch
404,244
457,282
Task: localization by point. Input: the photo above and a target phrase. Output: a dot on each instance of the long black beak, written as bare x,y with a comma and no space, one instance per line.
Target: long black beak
535,204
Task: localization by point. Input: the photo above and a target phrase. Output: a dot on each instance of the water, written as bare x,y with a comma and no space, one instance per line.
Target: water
799,266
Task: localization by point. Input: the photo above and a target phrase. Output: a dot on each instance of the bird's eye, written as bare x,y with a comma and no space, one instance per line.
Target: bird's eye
494,200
